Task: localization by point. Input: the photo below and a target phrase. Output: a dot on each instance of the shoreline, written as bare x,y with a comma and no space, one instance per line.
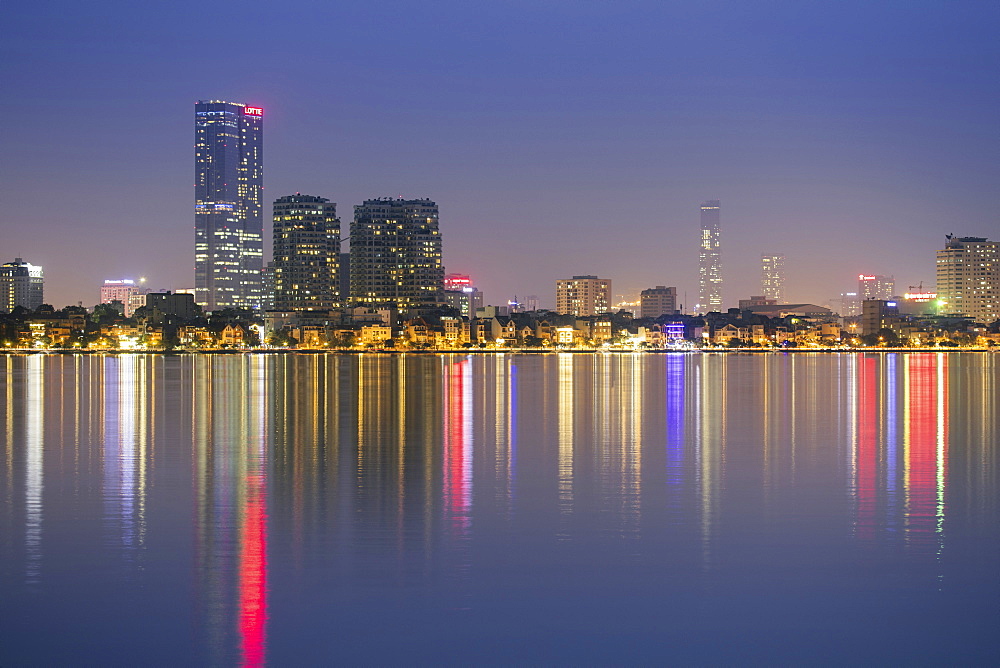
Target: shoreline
517,351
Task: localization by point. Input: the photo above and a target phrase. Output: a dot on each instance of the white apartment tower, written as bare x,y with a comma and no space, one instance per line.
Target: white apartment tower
968,278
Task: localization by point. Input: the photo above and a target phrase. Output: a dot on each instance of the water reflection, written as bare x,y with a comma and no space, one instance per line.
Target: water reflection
230,428
359,482
901,457
34,410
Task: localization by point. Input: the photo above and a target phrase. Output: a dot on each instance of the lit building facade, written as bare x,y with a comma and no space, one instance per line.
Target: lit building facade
657,301
126,291
466,300
229,225
850,305
968,278
877,314
396,254
461,294
583,295
875,287
21,284
306,254
710,258
772,276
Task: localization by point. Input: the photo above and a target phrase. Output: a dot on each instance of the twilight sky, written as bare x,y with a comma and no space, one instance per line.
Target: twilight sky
558,138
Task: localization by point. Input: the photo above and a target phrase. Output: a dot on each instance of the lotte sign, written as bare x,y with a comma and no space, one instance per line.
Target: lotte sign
253,111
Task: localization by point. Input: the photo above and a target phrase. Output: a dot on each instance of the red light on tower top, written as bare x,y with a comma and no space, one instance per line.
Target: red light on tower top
253,111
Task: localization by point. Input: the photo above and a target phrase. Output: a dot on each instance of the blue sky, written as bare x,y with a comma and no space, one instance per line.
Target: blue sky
558,138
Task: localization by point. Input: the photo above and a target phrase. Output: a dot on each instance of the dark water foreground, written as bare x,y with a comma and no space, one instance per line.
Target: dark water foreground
451,509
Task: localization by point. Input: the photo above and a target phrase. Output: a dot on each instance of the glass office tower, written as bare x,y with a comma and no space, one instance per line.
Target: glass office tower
229,225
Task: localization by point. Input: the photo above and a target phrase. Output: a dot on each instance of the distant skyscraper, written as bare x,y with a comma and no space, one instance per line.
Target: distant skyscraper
657,301
968,278
583,295
306,254
772,276
850,305
875,287
21,284
710,259
229,224
396,254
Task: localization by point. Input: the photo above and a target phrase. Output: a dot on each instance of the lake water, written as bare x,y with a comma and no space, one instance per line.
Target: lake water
520,508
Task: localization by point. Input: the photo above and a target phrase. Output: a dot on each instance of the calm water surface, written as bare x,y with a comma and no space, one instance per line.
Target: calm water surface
451,509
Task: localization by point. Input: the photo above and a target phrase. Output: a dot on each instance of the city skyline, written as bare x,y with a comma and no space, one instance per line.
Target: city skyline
852,151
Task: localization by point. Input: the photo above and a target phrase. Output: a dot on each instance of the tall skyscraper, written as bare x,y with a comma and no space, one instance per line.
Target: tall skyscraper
772,276
21,284
583,295
396,254
710,259
306,254
229,224
875,286
968,278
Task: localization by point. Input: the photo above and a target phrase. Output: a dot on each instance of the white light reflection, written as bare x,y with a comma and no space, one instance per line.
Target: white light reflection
566,435
34,437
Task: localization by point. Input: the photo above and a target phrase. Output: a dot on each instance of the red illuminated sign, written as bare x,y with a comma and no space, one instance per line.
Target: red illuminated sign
862,277
253,111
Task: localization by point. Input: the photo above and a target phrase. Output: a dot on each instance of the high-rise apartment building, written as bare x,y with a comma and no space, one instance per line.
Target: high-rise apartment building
21,284
583,295
396,254
875,286
657,301
968,278
772,276
229,224
710,259
306,254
